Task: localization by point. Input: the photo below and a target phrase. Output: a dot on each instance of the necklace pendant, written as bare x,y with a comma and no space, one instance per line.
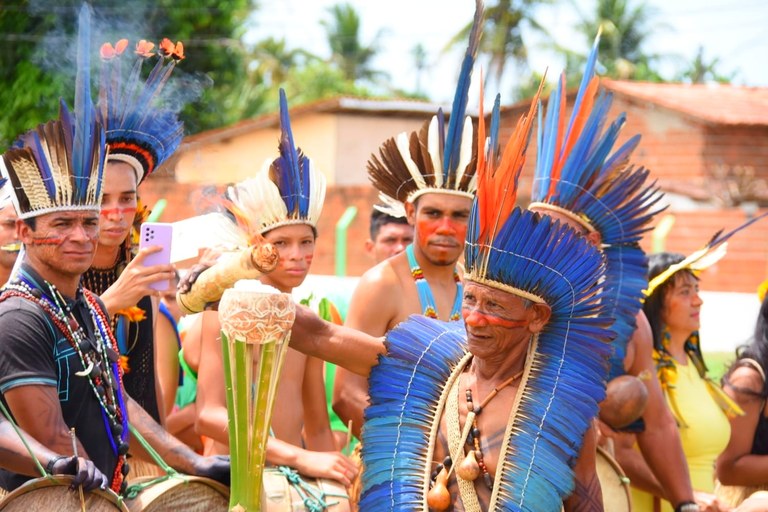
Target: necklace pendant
72,323
438,497
469,469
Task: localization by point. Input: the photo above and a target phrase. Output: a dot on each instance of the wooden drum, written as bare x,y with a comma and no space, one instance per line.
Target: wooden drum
280,496
53,494
614,483
183,492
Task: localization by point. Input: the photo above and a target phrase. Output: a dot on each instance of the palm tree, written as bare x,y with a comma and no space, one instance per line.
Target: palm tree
625,31
351,56
502,39
275,61
701,71
419,54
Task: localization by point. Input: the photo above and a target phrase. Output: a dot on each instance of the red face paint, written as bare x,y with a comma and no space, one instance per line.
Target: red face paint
48,240
106,212
475,317
432,230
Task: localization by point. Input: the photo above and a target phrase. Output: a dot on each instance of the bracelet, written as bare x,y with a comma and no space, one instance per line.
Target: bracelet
687,506
52,462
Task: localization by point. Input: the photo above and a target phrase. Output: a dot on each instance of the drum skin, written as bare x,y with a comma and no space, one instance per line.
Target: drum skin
52,493
187,493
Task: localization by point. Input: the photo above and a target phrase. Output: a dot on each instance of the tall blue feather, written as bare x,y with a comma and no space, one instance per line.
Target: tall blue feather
293,173
461,97
84,112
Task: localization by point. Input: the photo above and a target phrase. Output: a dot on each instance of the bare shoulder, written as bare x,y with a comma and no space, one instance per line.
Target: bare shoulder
379,290
380,282
746,378
384,274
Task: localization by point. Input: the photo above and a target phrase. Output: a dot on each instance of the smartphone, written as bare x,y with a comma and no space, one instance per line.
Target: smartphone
157,233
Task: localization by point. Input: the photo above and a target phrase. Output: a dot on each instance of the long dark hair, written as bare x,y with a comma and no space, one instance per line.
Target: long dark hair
757,348
654,305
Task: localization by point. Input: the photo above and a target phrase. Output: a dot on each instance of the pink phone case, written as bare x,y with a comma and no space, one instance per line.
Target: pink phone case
157,233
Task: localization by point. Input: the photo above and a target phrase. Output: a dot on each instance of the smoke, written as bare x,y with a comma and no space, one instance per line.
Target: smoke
56,50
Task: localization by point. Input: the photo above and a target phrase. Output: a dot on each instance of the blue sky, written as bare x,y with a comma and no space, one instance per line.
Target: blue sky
733,31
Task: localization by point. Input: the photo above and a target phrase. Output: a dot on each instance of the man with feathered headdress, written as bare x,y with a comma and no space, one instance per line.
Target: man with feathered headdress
58,361
427,176
496,414
582,181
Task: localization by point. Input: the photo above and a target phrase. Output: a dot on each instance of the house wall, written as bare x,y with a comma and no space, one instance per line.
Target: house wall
240,157
360,136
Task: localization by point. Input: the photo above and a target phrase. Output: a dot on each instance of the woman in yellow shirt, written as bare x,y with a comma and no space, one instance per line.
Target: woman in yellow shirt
673,309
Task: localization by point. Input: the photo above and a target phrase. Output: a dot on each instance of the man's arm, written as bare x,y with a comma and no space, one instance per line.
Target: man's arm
16,458
175,453
660,441
37,411
354,350
587,495
350,391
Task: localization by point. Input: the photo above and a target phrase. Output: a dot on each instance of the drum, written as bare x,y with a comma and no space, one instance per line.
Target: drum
280,496
141,469
53,494
614,483
183,492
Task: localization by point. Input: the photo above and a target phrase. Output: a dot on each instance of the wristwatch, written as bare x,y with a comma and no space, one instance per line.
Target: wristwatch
687,506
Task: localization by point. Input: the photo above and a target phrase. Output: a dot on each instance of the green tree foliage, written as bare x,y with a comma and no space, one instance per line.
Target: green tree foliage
626,27
701,71
502,41
351,56
37,55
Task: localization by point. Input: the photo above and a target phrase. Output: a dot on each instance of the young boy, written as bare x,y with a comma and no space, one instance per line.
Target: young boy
282,204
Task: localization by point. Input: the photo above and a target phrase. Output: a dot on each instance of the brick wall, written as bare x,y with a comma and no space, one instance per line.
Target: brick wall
746,264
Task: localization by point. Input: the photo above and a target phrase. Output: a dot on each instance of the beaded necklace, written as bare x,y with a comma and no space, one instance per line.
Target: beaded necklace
426,299
470,466
95,356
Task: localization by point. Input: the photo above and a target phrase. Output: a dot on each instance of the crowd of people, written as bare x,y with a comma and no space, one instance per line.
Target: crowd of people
488,356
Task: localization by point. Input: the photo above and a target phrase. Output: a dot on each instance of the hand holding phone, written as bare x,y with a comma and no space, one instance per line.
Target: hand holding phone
160,234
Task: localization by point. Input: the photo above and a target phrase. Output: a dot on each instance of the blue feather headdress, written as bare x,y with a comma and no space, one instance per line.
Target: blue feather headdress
59,165
530,256
288,190
579,178
139,132
432,159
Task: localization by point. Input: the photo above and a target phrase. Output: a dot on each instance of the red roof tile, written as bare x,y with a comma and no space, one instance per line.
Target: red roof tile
718,103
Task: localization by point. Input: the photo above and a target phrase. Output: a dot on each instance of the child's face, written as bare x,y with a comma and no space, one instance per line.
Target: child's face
296,246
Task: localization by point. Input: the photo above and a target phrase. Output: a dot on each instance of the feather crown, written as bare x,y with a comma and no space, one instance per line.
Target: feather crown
711,253
59,165
544,261
288,190
579,177
139,132
432,159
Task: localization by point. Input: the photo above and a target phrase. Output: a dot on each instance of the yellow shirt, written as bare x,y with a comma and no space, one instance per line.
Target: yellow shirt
705,437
